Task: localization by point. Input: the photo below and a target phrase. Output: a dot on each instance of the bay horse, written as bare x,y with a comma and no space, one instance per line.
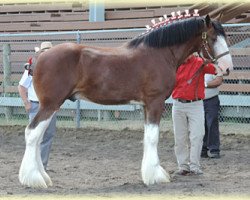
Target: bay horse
141,70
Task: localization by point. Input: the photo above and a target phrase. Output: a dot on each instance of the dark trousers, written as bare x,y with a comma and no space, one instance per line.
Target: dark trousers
211,140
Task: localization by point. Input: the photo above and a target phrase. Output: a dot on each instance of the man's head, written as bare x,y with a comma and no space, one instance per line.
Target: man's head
44,46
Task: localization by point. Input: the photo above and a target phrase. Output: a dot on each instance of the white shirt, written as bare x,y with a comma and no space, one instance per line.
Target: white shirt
210,92
26,81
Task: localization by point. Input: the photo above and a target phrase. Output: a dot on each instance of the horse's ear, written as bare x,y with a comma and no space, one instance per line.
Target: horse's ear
208,21
220,16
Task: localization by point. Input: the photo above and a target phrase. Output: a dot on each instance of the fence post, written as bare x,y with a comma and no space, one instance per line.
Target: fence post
78,113
6,76
96,11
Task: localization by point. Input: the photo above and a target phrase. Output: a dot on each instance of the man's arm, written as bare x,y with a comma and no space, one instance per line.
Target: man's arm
211,68
23,92
215,82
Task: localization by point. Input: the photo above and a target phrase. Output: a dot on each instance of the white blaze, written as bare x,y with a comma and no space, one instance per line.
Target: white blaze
220,46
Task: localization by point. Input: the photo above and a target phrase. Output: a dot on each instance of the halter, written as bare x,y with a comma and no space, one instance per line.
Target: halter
205,45
211,57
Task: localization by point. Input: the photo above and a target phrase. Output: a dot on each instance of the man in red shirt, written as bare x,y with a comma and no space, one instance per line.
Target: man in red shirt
188,113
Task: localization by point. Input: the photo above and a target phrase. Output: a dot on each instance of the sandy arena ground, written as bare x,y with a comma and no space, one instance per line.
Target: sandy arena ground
103,162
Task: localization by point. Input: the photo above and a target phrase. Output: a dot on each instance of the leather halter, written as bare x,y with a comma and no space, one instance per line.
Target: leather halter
213,59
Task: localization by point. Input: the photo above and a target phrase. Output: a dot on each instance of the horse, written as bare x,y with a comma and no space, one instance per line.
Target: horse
141,70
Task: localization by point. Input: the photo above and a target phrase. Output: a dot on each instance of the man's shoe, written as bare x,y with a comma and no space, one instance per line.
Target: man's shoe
196,172
213,154
204,154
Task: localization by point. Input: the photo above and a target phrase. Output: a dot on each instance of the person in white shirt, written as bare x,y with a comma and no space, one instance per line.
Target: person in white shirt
31,103
211,140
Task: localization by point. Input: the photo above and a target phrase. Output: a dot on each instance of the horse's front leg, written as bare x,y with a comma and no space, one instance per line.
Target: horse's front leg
151,170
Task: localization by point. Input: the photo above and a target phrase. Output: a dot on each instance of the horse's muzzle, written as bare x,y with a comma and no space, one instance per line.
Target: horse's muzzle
226,73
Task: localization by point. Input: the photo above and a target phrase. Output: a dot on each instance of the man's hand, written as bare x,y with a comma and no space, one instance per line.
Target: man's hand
218,70
27,66
27,106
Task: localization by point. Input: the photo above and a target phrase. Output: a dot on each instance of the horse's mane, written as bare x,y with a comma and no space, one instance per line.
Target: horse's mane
176,32
218,28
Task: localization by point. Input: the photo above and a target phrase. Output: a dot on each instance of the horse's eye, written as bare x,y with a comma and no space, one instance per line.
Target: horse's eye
213,39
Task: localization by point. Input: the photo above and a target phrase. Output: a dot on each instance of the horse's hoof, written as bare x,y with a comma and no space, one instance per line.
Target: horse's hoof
33,180
161,176
47,179
158,175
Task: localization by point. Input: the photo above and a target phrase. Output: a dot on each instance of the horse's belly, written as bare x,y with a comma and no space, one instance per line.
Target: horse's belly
106,100
136,102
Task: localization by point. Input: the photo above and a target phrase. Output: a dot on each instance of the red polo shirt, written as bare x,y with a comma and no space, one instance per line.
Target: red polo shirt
186,90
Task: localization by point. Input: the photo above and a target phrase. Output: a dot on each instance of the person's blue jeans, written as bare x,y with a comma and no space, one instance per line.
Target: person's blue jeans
211,140
48,135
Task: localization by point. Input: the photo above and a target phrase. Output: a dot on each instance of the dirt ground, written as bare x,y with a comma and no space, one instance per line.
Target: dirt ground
104,162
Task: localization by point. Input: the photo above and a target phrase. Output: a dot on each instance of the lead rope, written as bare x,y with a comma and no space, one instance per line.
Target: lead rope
196,74
213,60
198,71
204,39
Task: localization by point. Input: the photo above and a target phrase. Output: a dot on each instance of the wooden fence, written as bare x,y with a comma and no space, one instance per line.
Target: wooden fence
234,91
74,16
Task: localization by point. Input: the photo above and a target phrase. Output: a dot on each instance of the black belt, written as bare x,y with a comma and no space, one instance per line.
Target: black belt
210,98
34,101
187,101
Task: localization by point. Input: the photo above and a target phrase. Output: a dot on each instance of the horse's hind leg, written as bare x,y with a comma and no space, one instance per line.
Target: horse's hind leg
41,167
151,170
31,172
39,160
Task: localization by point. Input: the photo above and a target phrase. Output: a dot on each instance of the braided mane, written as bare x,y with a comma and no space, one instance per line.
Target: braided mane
176,32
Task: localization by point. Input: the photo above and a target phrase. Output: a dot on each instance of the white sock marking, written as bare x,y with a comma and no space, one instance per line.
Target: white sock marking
31,172
151,170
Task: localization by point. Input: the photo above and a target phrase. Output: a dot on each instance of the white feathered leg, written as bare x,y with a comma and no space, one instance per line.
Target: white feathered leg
151,170
41,168
31,170
39,160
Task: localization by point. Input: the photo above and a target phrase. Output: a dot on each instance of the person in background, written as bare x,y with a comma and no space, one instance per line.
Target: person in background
188,113
211,140
30,100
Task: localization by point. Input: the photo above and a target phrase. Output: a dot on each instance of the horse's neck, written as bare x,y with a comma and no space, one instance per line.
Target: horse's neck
180,52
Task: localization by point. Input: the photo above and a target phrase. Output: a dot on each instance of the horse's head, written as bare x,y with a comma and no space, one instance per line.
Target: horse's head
215,46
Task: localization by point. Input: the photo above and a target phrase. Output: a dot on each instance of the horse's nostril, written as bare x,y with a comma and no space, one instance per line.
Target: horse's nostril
227,72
